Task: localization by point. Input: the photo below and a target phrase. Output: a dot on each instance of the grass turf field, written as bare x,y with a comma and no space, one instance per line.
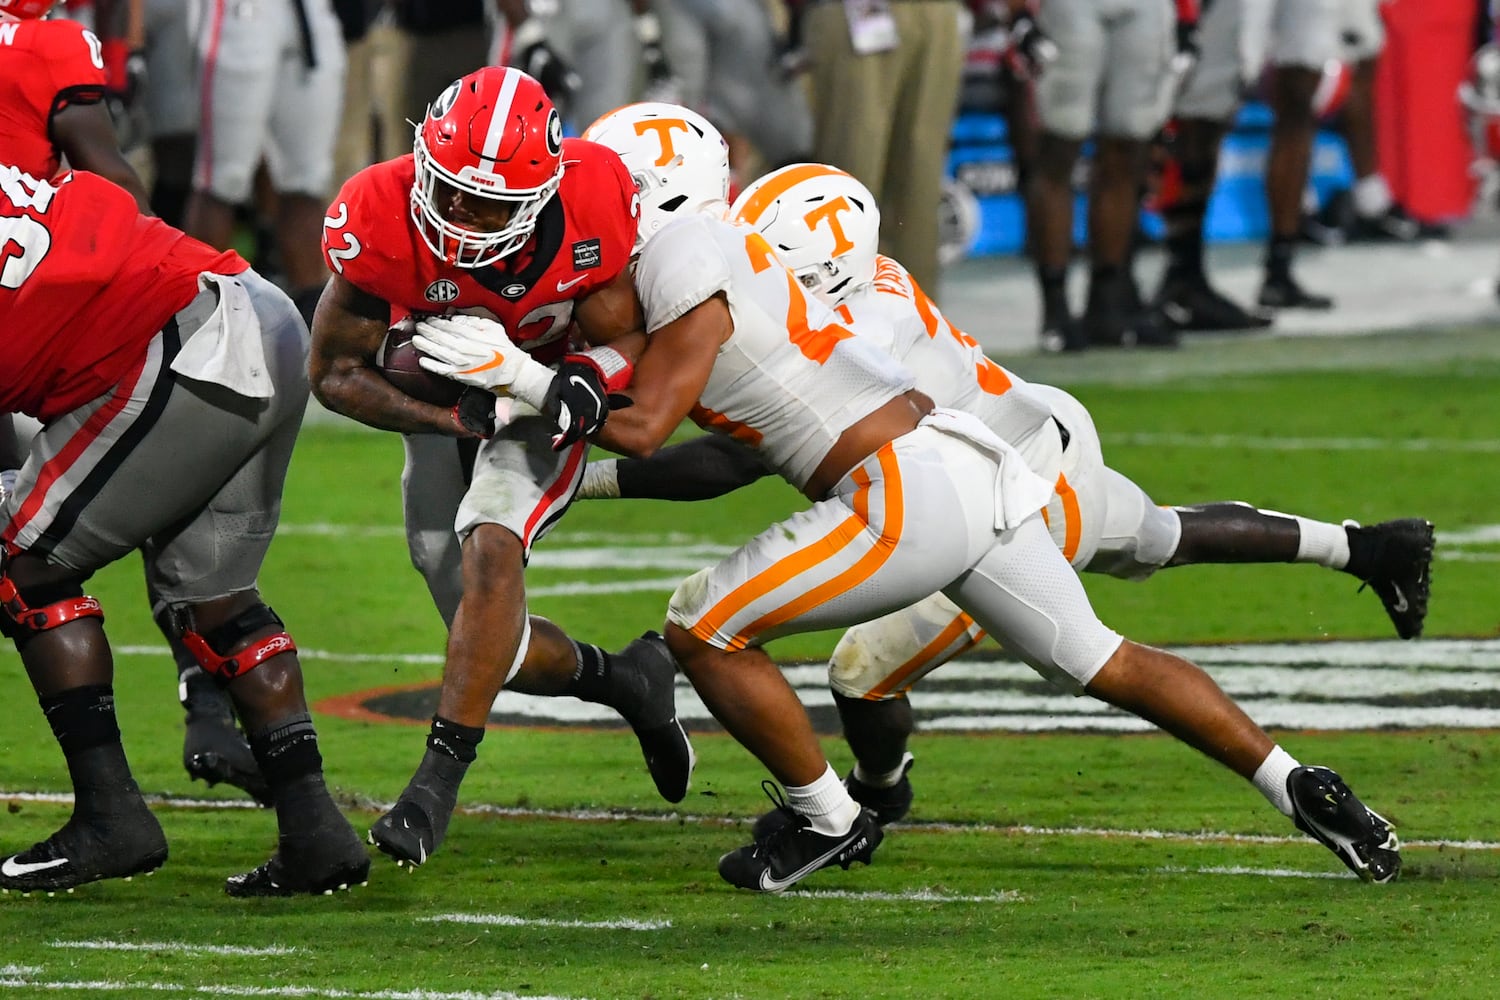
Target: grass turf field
1088,863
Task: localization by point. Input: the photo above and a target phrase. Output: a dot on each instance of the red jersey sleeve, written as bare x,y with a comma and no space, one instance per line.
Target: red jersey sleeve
368,238
602,197
74,61
44,65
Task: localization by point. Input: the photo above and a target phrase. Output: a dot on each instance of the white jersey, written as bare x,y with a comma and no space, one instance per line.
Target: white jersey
894,314
791,377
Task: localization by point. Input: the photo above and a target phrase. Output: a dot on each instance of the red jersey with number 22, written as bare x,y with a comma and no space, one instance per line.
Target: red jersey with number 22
85,282
583,240
44,65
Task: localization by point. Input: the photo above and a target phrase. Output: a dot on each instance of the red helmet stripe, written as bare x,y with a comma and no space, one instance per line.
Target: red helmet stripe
501,117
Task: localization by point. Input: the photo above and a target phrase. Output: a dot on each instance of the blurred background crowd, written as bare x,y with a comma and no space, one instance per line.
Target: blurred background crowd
1060,130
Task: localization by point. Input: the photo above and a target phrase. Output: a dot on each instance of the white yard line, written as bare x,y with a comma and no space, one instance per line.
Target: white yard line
1261,872
507,920
139,987
909,896
679,819
176,947
1260,443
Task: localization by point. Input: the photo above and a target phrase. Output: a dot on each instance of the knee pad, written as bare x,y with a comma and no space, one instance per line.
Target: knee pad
27,613
227,666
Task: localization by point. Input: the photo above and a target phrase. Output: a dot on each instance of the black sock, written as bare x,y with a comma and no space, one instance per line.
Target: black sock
83,721
593,675
1279,253
1054,284
1185,241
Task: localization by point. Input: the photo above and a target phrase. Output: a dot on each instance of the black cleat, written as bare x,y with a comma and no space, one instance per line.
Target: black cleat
214,750
653,715
1191,303
1061,334
1285,293
1392,226
1395,559
794,851
1324,808
889,805
407,833
326,860
82,852
1116,317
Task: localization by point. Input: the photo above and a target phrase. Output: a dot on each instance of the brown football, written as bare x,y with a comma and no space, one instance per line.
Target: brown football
398,360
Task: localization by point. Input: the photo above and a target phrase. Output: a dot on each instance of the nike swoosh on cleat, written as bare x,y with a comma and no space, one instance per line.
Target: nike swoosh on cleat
771,884
563,286
11,868
1400,603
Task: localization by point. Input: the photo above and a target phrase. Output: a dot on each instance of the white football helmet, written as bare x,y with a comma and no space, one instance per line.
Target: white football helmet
821,222
679,161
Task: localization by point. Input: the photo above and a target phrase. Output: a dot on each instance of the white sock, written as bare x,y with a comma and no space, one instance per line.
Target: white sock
1372,196
886,779
1270,778
1322,543
826,803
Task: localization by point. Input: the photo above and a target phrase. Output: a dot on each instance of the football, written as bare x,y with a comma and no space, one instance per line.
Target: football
399,361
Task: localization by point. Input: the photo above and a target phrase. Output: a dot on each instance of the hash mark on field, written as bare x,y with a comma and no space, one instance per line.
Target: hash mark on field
506,920
678,819
910,896
1266,872
180,947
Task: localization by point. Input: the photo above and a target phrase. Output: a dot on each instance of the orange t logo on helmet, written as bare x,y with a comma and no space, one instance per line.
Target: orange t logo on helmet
663,128
830,210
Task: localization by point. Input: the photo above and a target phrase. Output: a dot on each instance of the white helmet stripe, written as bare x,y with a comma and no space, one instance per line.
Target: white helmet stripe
500,118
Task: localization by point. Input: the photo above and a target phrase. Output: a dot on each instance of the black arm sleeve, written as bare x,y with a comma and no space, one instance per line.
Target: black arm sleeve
700,469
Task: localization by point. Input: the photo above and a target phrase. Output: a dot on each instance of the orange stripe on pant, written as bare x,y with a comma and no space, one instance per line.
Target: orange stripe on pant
1072,519
803,560
896,681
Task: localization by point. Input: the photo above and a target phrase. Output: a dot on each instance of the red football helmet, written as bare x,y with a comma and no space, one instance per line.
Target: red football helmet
25,10
495,138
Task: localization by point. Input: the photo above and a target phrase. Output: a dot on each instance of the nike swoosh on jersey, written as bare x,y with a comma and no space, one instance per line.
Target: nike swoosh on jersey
11,868
563,286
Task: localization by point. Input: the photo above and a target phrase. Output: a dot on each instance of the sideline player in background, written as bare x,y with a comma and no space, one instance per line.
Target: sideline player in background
907,500
509,221
170,380
271,86
52,86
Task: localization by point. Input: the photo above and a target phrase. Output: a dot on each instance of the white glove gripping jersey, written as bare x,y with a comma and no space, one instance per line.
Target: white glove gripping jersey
791,377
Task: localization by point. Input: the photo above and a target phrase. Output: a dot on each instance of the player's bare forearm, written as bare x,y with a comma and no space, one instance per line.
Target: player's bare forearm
347,331
612,315
669,377
86,135
700,469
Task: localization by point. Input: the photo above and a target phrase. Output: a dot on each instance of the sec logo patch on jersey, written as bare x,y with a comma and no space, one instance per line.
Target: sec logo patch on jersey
441,290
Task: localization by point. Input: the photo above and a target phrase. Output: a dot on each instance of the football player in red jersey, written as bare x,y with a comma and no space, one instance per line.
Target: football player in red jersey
508,221
52,86
170,380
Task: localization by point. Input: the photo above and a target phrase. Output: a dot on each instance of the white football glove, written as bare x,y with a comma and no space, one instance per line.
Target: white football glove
476,351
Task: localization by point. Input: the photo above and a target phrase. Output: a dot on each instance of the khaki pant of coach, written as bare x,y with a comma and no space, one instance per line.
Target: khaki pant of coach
886,117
